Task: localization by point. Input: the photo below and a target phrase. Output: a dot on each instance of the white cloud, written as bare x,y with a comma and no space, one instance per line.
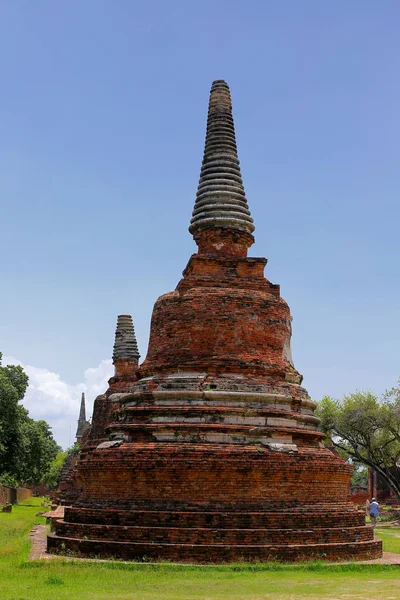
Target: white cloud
50,398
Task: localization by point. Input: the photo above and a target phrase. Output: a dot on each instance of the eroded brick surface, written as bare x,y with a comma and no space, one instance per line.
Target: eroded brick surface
217,456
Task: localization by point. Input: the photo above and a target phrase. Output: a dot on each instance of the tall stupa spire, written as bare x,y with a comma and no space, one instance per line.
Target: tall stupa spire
221,200
82,412
125,345
82,423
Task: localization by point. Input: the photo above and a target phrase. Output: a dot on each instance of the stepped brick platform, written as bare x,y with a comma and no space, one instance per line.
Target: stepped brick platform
209,450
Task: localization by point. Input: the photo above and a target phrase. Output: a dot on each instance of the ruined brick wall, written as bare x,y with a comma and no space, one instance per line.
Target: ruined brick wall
4,495
38,490
23,494
359,496
20,493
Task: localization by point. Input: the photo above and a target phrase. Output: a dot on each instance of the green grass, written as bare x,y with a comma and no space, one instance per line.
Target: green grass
14,529
61,579
390,537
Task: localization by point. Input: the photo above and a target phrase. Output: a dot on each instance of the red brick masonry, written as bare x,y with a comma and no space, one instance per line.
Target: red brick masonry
209,450
219,456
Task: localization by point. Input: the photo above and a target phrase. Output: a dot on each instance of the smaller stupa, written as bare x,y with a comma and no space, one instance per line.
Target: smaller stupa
125,360
90,435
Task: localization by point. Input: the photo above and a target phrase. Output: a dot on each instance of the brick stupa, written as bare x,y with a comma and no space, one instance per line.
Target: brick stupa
209,451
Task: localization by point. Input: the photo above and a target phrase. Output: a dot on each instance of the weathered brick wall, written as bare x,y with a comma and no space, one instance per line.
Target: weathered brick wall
245,328
209,536
217,552
359,496
20,492
101,417
219,476
223,242
307,517
39,490
23,494
4,495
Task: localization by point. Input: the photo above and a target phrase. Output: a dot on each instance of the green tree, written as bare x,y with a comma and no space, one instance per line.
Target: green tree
367,430
53,474
13,384
27,447
36,451
18,378
360,477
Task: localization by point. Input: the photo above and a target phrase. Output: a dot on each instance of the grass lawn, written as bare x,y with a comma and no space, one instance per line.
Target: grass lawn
61,579
391,539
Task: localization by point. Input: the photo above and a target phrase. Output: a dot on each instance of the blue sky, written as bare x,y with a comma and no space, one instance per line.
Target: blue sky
102,123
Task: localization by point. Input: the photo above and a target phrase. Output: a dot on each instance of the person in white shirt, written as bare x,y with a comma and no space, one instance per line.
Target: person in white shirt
373,511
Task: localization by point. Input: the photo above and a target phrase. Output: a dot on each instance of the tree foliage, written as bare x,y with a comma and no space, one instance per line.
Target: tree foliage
13,384
36,452
53,474
367,430
360,477
27,447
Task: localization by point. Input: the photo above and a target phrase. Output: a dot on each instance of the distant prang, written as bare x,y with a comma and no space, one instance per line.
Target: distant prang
209,450
83,424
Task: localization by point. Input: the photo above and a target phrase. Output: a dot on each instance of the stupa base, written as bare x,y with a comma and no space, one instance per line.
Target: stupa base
189,503
214,553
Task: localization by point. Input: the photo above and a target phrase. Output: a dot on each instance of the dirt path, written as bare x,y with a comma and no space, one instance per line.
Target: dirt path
38,536
388,558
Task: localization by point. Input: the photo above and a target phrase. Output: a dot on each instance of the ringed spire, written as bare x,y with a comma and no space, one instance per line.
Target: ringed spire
125,345
220,200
